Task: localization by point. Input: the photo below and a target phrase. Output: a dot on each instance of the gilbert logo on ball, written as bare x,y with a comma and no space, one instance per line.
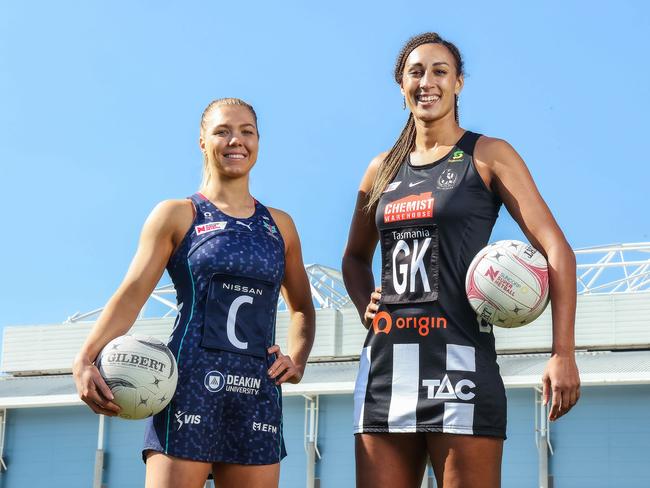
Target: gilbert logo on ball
507,284
141,372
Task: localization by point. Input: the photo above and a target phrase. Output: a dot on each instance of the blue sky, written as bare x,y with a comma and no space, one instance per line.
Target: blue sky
100,105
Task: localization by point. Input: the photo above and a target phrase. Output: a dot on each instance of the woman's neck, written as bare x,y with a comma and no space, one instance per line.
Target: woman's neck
230,193
431,135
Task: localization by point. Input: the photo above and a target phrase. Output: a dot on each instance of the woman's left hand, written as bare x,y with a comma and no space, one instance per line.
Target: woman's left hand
561,381
283,369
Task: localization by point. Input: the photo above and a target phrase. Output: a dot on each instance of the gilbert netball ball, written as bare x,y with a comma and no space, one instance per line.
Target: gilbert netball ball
507,284
141,372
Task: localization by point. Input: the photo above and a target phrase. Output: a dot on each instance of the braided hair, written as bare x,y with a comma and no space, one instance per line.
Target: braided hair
406,141
220,102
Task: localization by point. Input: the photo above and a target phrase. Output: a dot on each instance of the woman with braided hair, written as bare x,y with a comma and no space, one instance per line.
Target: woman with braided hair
229,257
428,382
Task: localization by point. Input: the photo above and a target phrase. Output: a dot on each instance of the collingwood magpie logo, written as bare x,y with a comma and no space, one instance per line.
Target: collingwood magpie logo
447,180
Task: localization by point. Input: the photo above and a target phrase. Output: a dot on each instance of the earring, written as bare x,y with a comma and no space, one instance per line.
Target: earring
403,103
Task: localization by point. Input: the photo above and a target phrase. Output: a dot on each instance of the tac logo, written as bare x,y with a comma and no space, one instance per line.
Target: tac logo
445,390
383,323
458,358
410,207
457,156
214,381
184,418
210,227
491,273
262,427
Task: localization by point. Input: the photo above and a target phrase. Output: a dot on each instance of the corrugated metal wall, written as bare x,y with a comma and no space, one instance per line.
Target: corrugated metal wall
602,321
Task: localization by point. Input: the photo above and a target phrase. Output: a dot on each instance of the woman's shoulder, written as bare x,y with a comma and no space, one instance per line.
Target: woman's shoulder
490,150
282,218
376,162
286,226
174,209
371,172
171,216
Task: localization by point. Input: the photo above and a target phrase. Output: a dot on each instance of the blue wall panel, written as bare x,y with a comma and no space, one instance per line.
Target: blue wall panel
293,467
605,441
519,467
123,462
336,441
54,447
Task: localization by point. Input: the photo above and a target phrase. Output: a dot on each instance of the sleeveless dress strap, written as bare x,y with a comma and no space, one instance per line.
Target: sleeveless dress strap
467,143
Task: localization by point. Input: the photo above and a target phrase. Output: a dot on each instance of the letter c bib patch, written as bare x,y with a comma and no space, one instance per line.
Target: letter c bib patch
239,312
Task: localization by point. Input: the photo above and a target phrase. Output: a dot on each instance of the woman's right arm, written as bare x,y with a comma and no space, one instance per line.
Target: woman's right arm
357,258
160,234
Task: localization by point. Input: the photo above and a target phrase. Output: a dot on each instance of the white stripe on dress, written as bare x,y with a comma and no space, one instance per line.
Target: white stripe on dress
360,389
405,390
458,418
461,358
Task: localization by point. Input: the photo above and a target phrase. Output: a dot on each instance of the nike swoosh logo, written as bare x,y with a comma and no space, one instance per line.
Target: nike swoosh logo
411,185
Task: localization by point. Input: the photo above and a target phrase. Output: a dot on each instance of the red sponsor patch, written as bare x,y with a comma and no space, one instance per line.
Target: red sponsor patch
209,227
409,208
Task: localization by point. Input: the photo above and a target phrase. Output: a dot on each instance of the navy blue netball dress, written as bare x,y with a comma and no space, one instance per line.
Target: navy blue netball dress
427,364
227,274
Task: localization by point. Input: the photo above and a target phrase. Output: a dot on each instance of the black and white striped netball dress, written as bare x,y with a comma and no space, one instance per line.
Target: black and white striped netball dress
427,364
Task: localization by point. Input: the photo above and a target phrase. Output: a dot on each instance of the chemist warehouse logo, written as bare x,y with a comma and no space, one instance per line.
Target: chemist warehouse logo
383,324
410,207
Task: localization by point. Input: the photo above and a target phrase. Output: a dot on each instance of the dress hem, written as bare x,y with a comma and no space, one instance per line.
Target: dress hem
462,430
205,460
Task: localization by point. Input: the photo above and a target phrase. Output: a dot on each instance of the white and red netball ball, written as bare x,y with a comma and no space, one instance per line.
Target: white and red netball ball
141,372
507,283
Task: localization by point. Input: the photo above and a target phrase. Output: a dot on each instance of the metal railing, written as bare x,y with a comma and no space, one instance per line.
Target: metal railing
327,291
617,268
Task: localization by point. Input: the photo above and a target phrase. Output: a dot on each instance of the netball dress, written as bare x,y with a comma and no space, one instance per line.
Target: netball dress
427,364
227,274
